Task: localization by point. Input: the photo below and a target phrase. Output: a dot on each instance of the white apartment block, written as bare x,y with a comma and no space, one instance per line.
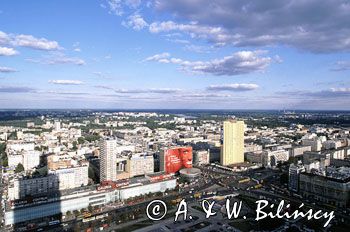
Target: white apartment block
108,160
72,177
140,164
272,158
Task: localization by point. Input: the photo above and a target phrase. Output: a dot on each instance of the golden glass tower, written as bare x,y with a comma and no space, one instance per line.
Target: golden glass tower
232,150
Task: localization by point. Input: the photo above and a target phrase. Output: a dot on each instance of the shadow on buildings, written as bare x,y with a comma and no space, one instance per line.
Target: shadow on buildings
36,205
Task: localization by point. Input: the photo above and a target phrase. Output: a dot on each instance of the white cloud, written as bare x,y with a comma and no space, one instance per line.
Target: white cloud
4,38
7,70
115,7
242,62
340,90
140,91
158,57
5,51
66,82
214,34
233,87
135,22
119,7
36,43
307,25
58,58
27,41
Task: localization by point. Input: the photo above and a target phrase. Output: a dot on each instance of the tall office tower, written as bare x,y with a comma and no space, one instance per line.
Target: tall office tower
108,160
57,125
232,150
294,172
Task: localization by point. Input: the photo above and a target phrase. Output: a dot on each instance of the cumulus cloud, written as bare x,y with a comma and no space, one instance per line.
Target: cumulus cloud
27,41
66,82
341,66
242,62
14,89
135,22
312,25
36,43
5,51
233,87
7,69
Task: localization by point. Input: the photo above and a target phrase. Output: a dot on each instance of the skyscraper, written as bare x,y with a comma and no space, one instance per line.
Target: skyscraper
108,160
232,151
294,172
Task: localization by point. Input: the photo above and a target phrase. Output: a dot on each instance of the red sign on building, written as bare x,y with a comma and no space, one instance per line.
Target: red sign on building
177,158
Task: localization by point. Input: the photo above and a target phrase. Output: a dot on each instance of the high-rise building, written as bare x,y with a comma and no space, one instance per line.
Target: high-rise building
57,125
108,160
294,172
232,151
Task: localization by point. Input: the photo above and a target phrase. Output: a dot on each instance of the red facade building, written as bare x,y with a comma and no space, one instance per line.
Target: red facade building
174,159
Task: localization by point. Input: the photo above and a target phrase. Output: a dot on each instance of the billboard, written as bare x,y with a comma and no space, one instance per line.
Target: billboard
177,158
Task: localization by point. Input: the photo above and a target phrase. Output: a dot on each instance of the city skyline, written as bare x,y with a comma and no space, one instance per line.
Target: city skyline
175,54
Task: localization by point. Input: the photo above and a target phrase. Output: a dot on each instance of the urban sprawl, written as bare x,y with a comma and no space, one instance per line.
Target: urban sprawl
98,170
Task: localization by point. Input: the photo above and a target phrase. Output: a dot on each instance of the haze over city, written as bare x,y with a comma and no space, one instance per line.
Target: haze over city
175,54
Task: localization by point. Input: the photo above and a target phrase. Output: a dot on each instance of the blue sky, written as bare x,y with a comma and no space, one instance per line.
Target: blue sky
175,54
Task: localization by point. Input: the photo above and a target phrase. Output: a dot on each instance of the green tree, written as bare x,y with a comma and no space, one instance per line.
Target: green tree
75,145
19,168
81,140
76,212
4,160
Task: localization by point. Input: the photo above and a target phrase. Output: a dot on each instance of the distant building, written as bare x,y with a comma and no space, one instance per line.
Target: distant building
233,143
313,141
252,148
294,172
324,158
299,150
30,124
57,125
23,153
201,157
255,157
272,158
